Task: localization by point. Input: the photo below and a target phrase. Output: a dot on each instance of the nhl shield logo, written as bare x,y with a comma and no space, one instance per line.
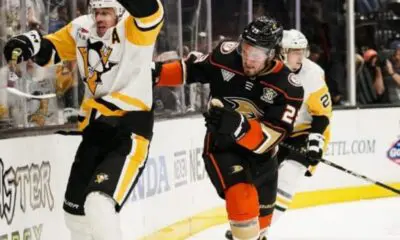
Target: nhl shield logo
269,95
394,152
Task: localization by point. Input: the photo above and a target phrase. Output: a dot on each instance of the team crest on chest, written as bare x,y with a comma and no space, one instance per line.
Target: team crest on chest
96,62
268,95
245,106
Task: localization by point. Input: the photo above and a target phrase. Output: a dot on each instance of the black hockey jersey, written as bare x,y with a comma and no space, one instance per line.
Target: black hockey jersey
269,101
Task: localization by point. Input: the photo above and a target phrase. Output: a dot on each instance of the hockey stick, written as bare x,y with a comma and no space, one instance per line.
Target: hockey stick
13,66
334,165
27,95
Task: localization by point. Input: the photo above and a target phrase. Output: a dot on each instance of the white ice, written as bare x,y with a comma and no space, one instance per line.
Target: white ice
377,219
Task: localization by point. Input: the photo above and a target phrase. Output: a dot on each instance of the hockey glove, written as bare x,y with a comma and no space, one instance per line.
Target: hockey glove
315,145
226,122
26,45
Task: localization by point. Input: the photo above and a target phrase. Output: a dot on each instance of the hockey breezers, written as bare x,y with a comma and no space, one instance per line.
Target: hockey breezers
340,168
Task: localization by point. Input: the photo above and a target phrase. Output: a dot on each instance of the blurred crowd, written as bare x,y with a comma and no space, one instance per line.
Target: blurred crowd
322,21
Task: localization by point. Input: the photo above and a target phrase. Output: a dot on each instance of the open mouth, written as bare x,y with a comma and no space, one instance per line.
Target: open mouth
101,29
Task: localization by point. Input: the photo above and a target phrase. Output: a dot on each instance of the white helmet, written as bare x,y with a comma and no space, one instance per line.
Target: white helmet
119,10
293,39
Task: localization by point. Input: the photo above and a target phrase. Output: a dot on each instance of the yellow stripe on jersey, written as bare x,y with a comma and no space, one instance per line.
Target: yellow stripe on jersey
152,20
131,101
131,168
141,37
319,103
87,110
91,103
64,43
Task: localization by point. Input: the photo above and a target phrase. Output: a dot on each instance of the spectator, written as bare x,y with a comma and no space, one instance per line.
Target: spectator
372,74
392,73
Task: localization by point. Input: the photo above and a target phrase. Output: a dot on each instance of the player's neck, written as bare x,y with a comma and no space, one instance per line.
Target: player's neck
269,66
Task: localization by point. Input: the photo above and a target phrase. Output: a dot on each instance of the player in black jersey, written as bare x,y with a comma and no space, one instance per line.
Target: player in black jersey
254,102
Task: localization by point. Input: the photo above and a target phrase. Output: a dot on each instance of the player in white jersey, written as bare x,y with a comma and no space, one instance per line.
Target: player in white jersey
113,46
311,130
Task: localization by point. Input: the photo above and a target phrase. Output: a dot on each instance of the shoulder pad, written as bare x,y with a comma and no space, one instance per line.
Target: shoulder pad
290,84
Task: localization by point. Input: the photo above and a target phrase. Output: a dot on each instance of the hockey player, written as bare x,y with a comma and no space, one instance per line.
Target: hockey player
113,46
311,130
255,100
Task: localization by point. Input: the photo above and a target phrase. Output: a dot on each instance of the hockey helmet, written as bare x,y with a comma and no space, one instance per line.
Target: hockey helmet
293,39
264,32
119,9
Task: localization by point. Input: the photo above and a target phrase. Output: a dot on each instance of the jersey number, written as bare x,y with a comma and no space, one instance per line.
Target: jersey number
325,100
289,115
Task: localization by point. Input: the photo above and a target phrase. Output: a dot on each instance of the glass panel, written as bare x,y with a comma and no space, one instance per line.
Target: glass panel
229,19
168,100
282,11
323,23
196,37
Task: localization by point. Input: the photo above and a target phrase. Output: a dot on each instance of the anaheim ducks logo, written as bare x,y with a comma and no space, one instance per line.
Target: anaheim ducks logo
245,107
96,62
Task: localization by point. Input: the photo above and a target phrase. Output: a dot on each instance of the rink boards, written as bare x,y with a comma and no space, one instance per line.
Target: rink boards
174,198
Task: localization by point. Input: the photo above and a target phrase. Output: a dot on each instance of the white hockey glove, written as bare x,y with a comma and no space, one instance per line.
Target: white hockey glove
315,146
27,45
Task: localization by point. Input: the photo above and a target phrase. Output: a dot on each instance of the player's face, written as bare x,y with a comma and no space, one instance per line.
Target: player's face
253,59
105,19
295,58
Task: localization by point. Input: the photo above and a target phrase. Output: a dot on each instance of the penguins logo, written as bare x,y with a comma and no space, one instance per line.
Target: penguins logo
245,107
96,62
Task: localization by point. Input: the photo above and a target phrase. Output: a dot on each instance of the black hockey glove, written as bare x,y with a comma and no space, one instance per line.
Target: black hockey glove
226,122
26,45
315,145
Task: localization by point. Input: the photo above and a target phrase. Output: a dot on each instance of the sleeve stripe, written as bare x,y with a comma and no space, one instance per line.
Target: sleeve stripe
140,36
147,28
261,137
272,138
253,137
152,20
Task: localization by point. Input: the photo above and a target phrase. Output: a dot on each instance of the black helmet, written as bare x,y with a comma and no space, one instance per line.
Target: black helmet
263,32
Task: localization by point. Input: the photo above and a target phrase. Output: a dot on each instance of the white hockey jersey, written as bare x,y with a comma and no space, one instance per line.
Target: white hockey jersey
116,68
317,100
